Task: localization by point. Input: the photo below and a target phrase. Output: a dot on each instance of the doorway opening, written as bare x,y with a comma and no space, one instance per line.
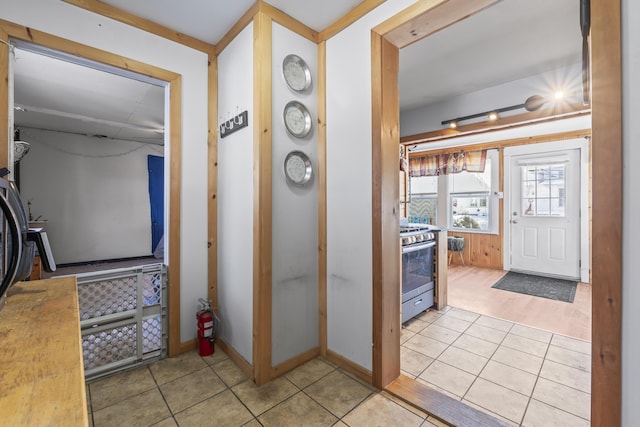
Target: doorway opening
172,107
385,57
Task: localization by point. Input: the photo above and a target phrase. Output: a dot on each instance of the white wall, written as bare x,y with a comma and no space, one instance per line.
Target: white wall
430,118
94,194
235,196
70,22
631,207
295,212
349,234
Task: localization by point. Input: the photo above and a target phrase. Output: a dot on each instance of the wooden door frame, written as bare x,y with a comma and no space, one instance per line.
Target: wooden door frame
30,35
421,20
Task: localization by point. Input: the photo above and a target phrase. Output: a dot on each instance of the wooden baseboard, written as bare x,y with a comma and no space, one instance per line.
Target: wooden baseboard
441,406
349,366
245,366
294,362
187,346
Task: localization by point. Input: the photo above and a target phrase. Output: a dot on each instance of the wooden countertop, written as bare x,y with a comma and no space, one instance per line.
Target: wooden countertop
41,369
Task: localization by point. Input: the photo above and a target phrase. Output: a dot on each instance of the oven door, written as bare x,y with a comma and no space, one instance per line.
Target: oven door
417,279
417,269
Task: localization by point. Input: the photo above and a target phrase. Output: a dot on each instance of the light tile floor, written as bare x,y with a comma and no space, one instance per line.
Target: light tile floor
522,375
190,390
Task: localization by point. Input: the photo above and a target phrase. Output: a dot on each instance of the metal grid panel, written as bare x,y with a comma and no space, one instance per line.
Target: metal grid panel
123,317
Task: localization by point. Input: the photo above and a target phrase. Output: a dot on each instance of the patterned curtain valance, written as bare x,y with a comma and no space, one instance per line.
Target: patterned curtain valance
445,164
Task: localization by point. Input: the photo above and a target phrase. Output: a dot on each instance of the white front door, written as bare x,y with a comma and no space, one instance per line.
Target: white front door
544,214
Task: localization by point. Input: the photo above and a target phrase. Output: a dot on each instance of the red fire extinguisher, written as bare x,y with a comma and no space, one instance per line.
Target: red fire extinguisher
206,328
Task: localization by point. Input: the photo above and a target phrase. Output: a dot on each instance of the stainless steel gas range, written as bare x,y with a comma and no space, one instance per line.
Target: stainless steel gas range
418,269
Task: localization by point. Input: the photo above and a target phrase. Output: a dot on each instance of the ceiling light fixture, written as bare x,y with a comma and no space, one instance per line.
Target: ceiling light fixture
533,103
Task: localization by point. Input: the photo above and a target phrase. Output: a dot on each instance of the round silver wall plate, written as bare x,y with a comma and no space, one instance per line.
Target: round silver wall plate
296,73
297,119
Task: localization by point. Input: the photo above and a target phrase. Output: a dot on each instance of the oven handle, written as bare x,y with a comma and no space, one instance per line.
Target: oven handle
409,249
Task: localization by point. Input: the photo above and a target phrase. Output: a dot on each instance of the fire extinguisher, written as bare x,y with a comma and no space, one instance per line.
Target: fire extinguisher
206,321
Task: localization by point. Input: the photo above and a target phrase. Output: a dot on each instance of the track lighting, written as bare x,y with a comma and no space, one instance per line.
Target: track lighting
533,103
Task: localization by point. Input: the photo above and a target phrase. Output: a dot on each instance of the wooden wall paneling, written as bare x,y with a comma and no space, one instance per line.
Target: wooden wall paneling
385,224
5,137
175,141
212,184
144,24
322,196
480,250
606,89
262,222
352,16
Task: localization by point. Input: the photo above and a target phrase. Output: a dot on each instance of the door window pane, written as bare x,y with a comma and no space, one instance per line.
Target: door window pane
543,190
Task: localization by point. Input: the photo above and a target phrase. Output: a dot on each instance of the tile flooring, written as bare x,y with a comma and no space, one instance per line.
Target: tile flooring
522,375
190,390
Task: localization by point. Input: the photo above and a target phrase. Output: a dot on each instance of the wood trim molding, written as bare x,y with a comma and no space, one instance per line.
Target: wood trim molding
606,69
275,14
67,46
352,16
537,139
322,196
294,362
262,214
244,20
125,17
235,357
427,17
287,21
212,184
440,405
187,346
175,155
510,122
349,366
175,141
385,63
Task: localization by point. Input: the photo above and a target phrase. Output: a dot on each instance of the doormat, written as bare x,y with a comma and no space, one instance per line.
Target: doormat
538,286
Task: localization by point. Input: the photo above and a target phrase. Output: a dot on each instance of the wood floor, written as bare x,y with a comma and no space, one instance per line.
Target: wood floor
469,288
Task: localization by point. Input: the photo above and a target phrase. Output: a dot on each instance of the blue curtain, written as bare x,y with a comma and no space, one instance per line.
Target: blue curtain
155,165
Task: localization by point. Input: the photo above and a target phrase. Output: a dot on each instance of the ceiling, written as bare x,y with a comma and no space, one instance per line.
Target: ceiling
509,41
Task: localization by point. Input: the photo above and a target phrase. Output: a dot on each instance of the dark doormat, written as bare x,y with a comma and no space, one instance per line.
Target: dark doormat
538,286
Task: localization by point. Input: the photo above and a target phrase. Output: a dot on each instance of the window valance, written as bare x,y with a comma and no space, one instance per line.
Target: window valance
445,164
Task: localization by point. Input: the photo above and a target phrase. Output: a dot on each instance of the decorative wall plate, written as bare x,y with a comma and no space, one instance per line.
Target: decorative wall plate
296,73
297,119
297,168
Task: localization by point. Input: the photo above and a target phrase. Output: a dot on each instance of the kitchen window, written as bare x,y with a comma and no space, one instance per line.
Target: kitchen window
469,194
464,201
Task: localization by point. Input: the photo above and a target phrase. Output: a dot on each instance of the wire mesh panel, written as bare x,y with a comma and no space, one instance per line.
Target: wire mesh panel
123,317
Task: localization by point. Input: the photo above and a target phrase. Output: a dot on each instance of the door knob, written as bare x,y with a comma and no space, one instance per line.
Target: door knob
513,221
